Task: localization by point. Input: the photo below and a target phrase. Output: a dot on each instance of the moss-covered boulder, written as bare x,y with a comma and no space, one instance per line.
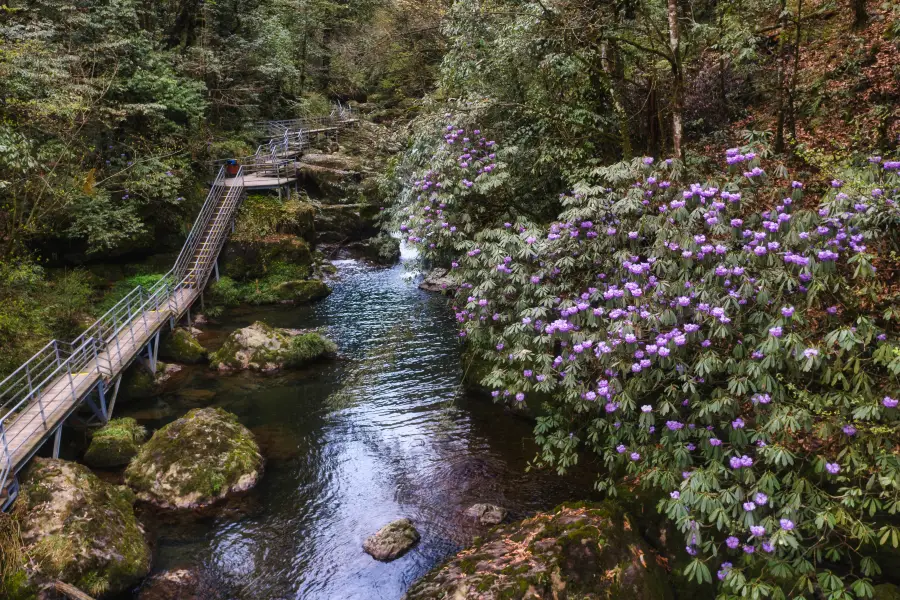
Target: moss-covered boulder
589,552
262,257
341,223
196,461
181,346
302,291
138,383
262,216
115,444
79,529
261,347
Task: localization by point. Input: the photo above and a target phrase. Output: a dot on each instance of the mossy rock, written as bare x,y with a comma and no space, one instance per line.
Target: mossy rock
115,444
344,223
138,383
259,258
589,552
182,347
262,216
308,290
79,529
261,347
196,461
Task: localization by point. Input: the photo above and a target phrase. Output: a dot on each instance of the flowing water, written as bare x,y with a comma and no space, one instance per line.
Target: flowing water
383,432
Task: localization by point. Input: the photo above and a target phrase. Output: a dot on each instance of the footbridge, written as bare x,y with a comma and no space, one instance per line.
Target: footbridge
66,376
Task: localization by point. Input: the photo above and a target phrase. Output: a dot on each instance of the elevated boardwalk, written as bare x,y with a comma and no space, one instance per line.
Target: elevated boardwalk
37,398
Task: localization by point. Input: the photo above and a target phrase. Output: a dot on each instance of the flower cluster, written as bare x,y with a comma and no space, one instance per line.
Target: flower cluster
732,315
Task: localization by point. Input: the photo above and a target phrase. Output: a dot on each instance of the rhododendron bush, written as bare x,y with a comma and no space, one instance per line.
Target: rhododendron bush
729,342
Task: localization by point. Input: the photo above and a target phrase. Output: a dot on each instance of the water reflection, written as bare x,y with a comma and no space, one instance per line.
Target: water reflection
385,432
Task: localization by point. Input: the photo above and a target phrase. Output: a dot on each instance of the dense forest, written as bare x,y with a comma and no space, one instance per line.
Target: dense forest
670,224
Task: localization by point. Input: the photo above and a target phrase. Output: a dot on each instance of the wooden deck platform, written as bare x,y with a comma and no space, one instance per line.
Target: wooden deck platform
260,182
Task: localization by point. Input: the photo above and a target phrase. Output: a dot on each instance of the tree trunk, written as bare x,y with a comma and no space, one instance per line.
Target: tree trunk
860,16
795,72
677,78
614,73
653,120
780,85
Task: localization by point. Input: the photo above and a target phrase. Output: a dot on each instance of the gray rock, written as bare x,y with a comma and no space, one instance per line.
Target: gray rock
486,514
438,281
392,541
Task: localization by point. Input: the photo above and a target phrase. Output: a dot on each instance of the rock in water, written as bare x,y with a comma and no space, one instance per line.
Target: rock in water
392,541
195,461
181,346
438,281
264,348
80,530
588,552
486,514
115,444
180,584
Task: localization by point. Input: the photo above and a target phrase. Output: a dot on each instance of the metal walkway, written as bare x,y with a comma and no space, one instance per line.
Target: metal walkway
37,398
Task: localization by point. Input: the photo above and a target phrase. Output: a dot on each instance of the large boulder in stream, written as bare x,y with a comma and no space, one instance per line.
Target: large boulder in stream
589,552
138,383
261,347
392,541
196,461
181,346
115,444
79,529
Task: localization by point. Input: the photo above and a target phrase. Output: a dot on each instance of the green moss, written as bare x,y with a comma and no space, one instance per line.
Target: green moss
115,444
195,460
261,346
181,346
263,216
14,583
86,534
139,383
303,291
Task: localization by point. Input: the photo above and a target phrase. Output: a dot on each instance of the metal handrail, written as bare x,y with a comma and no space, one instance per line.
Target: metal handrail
60,361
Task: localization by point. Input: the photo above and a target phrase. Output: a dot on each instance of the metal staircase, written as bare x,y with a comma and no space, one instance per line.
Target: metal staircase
38,397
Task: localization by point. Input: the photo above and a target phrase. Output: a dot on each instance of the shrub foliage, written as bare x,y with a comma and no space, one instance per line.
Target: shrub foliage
728,342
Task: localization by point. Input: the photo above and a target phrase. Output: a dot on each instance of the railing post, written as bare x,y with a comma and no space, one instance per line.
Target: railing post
28,378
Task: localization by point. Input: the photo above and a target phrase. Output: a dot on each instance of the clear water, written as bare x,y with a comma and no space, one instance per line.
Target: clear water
384,432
